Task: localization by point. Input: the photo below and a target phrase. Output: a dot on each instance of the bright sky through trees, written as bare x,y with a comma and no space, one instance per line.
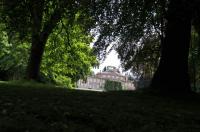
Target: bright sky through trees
111,60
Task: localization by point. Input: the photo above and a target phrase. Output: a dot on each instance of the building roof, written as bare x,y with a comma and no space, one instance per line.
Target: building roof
110,73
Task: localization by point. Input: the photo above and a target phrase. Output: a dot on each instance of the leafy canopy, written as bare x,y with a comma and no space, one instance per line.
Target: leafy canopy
67,58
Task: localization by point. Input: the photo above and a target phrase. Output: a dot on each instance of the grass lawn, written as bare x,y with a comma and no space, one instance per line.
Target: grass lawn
48,109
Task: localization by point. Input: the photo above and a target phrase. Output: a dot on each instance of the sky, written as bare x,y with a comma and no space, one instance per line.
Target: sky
111,60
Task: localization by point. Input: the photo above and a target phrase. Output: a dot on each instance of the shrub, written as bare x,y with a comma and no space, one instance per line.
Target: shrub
112,85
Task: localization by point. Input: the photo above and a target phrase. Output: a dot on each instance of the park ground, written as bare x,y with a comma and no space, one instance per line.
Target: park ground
43,108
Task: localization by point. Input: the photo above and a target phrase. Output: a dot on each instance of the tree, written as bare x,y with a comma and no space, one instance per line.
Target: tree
13,57
65,60
136,27
146,58
194,60
126,22
175,50
112,85
33,21
172,19
68,58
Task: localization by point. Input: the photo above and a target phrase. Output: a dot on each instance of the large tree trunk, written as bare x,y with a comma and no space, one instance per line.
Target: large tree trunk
37,44
35,59
40,36
172,74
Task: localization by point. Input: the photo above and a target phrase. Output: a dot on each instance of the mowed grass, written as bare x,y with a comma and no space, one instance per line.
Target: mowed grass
40,108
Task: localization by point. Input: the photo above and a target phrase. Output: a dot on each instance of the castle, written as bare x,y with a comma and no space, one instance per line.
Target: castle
97,82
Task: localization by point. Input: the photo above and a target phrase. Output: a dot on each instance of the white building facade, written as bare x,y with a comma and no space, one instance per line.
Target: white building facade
97,82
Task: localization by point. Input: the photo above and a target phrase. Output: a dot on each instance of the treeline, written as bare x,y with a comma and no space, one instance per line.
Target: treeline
156,39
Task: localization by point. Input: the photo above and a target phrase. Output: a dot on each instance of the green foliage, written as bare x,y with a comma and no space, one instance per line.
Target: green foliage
146,59
194,60
112,85
27,84
127,22
68,57
33,22
21,16
13,57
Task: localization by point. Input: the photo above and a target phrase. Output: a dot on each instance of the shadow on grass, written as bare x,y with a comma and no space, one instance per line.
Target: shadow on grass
31,107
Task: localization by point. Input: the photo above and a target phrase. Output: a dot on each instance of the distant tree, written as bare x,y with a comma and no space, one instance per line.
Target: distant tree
112,85
104,69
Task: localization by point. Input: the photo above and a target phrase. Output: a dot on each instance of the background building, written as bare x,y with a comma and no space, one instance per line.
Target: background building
97,82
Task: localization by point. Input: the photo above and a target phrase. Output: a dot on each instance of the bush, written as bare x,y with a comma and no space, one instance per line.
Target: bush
112,85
